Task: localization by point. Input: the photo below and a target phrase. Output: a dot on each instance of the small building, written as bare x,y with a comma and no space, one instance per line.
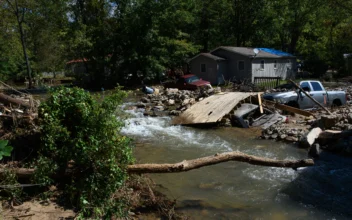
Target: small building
242,63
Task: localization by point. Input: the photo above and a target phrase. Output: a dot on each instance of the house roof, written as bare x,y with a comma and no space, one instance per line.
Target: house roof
77,61
209,55
263,52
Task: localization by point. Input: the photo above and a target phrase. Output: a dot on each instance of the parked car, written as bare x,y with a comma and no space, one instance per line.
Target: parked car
187,82
315,89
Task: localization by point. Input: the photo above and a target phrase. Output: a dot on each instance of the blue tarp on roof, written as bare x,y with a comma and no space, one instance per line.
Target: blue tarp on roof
275,52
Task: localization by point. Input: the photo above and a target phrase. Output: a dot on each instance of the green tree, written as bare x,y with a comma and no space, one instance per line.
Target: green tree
19,9
78,131
11,54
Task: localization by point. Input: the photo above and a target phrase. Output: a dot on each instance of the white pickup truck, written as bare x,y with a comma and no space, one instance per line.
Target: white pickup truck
315,89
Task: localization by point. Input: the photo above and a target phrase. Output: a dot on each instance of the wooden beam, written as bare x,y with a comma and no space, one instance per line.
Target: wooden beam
310,97
260,104
288,108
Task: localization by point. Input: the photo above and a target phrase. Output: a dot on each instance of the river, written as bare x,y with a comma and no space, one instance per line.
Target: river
235,190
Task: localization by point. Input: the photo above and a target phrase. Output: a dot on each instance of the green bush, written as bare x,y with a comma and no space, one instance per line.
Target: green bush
5,149
78,130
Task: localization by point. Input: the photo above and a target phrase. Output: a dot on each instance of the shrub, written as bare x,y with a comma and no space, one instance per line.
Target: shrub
78,131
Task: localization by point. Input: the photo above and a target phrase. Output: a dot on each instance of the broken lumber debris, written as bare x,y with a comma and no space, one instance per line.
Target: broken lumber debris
260,103
211,109
289,108
8,100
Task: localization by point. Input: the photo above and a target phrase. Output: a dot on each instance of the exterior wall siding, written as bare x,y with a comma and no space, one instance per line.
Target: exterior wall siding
285,68
222,71
211,68
232,69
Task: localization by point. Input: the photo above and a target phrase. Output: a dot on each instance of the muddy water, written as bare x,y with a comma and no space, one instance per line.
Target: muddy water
235,190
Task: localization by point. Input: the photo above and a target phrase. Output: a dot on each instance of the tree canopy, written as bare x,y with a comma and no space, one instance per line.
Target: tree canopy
138,40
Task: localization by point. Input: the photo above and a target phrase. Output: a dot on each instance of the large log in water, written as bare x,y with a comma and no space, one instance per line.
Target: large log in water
8,100
187,165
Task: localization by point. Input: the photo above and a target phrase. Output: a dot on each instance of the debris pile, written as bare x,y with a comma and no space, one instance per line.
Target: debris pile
172,101
282,131
17,111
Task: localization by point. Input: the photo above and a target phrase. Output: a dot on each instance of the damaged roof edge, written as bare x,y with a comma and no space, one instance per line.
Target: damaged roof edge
208,55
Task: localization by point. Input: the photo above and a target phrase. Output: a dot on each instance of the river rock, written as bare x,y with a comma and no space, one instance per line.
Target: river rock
329,121
185,102
141,105
171,102
170,91
175,112
184,96
283,136
144,100
158,108
291,139
226,122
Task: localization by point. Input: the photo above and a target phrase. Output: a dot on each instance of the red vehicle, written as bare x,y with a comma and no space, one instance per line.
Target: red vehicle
187,82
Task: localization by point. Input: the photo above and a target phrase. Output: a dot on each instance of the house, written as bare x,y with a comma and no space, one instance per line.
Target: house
242,63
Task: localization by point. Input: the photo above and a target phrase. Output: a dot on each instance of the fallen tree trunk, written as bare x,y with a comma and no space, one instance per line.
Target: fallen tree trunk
8,100
187,165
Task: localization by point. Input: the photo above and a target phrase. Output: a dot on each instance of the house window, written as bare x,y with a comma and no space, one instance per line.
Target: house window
203,68
241,65
262,62
275,64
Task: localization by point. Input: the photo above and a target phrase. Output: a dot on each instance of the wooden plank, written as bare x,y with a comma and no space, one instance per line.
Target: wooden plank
289,108
211,109
260,104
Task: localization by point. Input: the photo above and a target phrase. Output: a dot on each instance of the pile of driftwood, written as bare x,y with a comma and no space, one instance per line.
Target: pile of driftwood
16,111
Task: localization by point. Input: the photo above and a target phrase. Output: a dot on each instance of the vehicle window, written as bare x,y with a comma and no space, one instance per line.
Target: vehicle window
316,86
203,68
192,79
241,65
305,84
